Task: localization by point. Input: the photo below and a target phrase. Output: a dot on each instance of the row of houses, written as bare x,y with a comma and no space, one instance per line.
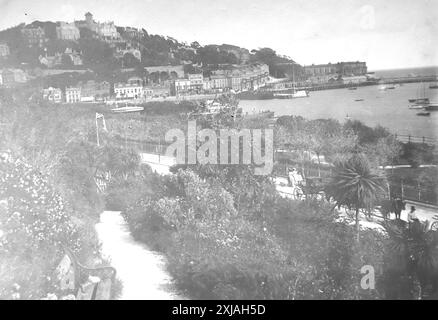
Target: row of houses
92,91
239,78
89,91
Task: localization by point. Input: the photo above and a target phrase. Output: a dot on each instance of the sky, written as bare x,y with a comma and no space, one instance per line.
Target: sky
385,33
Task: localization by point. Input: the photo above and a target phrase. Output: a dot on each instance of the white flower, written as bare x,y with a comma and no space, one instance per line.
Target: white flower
15,296
52,296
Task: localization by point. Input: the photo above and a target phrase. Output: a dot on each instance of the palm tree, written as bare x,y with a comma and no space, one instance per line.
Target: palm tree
355,185
415,249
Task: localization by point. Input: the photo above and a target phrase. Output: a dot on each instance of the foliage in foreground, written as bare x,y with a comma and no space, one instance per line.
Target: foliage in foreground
35,223
295,251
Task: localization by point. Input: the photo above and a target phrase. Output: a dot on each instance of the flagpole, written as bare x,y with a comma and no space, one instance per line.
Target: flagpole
97,133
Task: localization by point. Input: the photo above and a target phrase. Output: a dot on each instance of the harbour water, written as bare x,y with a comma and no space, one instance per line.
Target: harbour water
388,108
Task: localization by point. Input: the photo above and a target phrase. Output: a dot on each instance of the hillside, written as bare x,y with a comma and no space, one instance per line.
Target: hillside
103,56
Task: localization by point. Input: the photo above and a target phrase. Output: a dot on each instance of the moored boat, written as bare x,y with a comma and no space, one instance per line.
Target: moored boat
433,85
422,100
416,106
127,109
255,95
419,100
423,113
296,94
432,106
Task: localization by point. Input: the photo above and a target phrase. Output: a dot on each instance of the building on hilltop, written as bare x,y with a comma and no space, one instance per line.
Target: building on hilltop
67,31
50,61
75,56
13,76
106,31
34,36
133,33
120,53
59,58
52,94
4,50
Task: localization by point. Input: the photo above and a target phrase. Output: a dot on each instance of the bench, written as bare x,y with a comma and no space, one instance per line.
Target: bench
86,283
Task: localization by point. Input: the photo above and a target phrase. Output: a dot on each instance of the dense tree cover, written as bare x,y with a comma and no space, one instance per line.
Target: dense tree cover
279,66
212,55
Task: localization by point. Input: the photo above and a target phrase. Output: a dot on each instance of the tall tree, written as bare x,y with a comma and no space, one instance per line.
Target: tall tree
355,185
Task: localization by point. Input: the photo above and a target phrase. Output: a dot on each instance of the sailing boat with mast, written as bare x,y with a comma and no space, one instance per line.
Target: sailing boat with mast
295,93
422,100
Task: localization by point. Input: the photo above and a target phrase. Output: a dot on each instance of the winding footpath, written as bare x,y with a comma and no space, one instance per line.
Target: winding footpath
141,271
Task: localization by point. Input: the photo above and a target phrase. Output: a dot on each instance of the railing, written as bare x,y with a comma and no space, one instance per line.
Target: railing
416,139
415,193
409,192
143,146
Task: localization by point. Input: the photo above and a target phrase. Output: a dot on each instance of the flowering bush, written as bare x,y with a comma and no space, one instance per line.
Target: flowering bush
35,223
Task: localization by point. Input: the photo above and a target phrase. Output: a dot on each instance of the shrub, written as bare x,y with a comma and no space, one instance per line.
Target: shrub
35,223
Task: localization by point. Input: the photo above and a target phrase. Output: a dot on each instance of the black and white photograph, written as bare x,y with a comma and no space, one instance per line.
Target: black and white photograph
224,150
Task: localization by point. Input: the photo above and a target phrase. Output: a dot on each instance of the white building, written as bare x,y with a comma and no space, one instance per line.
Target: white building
108,31
67,31
72,94
219,81
148,92
207,85
196,79
52,94
4,50
180,86
128,90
